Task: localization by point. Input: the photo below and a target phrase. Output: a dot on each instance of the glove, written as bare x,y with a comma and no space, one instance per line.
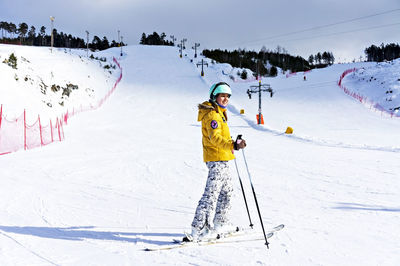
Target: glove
239,144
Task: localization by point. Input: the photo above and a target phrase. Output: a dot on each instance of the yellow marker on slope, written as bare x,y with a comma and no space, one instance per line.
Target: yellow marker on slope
289,130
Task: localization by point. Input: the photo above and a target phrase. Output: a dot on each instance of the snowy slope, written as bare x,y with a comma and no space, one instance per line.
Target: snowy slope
129,175
380,83
49,84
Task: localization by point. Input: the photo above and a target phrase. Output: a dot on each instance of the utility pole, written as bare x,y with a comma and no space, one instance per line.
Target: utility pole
87,43
52,35
258,89
122,42
202,66
173,39
195,49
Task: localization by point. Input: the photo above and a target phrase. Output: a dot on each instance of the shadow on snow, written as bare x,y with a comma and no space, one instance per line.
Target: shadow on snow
363,207
80,233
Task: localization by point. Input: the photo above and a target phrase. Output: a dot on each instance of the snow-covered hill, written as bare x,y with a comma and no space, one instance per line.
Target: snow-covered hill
48,83
379,83
129,175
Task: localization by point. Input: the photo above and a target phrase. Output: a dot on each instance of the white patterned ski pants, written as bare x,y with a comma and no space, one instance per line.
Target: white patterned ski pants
215,203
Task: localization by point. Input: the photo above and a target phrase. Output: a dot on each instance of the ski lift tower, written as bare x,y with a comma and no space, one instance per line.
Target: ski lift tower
196,45
203,63
182,46
258,89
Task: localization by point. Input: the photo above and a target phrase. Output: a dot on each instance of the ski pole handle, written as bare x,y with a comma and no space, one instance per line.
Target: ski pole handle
237,142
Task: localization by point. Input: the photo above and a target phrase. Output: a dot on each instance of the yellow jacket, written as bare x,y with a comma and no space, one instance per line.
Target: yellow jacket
217,141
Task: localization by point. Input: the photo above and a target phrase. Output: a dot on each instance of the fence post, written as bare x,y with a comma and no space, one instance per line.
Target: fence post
40,128
58,127
66,117
24,129
62,131
1,114
51,127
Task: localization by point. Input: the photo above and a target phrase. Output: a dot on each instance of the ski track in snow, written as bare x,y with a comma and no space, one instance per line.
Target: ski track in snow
28,249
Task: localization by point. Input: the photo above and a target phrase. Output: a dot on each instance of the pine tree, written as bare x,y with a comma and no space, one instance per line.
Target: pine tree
325,57
32,34
155,39
96,43
56,38
273,72
12,29
3,26
331,58
143,39
42,35
311,59
319,58
162,37
105,44
23,29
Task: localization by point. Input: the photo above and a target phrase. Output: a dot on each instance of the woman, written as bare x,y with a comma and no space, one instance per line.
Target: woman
218,146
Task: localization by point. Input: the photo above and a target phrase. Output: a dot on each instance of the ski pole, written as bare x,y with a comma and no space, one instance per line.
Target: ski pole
244,196
241,185
255,199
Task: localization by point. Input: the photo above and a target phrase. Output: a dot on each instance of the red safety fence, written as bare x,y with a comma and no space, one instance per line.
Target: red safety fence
16,134
295,73
363,99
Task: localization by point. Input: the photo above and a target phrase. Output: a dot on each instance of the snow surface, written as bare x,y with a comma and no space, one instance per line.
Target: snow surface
129,175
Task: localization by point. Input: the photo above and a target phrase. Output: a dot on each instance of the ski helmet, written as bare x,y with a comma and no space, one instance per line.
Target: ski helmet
221,87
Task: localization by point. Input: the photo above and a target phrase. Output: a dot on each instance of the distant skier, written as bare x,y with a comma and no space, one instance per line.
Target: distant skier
218,146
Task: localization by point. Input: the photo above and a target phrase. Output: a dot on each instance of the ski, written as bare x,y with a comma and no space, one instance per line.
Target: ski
224,239
206,243
247,231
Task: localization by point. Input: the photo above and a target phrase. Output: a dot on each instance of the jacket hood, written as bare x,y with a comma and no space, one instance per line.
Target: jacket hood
204,109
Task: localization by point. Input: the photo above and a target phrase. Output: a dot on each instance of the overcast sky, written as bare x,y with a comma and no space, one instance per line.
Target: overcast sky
229,24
